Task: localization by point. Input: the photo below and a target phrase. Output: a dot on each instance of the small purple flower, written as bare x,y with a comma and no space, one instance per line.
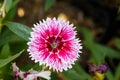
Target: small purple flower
100,68
103,67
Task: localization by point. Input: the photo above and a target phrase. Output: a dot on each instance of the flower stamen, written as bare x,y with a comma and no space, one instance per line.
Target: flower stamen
54,45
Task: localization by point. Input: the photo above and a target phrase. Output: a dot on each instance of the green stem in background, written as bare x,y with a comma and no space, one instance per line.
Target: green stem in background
2,9
1,24
2,13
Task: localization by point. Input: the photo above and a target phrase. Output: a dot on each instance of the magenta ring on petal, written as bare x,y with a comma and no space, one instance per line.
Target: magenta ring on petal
53,43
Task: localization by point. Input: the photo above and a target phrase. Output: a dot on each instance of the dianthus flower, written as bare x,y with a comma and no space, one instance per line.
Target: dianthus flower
53,44
30,74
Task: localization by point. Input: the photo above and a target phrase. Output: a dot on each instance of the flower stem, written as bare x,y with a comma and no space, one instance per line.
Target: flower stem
2,9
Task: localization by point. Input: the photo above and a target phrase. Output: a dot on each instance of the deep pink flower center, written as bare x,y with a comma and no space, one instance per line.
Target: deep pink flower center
54,44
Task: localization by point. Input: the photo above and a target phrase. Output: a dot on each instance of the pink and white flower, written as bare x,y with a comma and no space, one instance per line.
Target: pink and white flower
54,44
30,74
15,71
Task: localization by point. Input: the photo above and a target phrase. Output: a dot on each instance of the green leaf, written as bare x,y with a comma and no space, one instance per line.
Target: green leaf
19,29
5,51
4,62
109,76
88,37
48,4
77,72
1,25
117,43
11,14
72,75
1,19
17,46
15,2
4,38
54,76
111,53
1,2
80,71
34,66
11,10
117,73
97,52
8,5
104,51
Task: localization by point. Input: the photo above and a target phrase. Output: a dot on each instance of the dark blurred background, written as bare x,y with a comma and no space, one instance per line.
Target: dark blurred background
100,16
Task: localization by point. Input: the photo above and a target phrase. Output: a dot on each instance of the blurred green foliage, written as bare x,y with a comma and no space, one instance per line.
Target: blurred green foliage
100,52
48,4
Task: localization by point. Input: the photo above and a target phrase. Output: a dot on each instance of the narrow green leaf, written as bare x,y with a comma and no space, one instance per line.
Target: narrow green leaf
1,25
80,71
1,20
98,55
117,73
4,62
54,76
5,51
109,76
15,2
1,2
17,46
72,75
97,52
117,43
4,38
8,5
11,9
19,29
111,53
35,66
77,72
10,14
48,4
87,35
